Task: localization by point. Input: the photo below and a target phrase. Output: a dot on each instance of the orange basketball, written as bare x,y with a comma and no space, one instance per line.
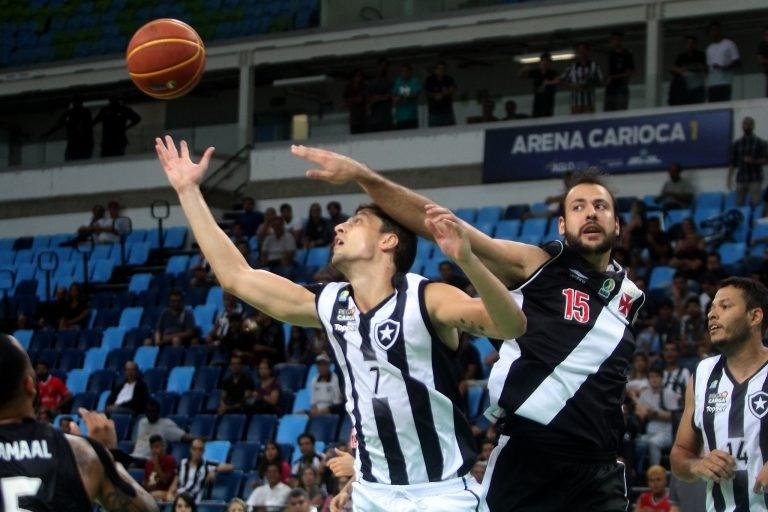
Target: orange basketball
165,58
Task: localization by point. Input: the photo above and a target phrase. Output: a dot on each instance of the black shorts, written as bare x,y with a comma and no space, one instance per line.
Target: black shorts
521,478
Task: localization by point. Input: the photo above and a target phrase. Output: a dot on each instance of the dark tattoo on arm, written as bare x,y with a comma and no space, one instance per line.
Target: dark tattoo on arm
472,327
115,501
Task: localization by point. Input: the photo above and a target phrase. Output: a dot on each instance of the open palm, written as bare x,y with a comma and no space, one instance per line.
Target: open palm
448,233
331,167
181,171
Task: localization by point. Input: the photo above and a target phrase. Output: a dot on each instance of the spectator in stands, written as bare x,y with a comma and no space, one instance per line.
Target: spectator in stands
153,424
276,244
265,398
379,98
265,228
675,377
270,339
545,80
621,65
308,483
52,393
405,97
84,232
722,59
176,325
667,325
77,124
762,56
194,473
184,503
232,305
250,218
335,215
317,230
237,340
298,349
690,255
76,313
487,116
510,111
253,258
159,469
237,233
715,266
693,327
309,457
44,416
326,393
201,277
582,76
656,499
677,192
49,313
659,244
292,224
748,154
709,283
287,267
689,75
272,455
68,426
273,495
131,395
654,408
354,99
449,275
116,119
237,505
638,376
634,232
470,368
299,501
107,229
440,88
236,388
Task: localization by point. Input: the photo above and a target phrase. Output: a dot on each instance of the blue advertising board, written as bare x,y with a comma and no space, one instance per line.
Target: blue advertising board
622,145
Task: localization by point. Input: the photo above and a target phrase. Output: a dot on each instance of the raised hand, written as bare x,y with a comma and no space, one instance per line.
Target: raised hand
181,171
716,466
761,482
100,427
448,233
334,168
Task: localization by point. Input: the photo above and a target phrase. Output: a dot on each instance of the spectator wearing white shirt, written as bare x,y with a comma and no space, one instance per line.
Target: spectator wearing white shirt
655,406
326,393
273,495
309,456
277,243
131,396
153,424
108,229
292,224
194,473
722,58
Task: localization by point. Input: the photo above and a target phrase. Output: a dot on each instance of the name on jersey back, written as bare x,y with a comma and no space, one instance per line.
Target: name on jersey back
21,450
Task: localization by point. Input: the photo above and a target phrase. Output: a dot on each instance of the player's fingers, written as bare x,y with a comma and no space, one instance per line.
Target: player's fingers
338,452
171,146
184,149
319,174
718,468
760,485
725,457
206,157
316,155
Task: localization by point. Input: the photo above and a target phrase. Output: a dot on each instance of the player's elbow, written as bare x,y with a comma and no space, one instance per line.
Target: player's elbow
515,328
679,460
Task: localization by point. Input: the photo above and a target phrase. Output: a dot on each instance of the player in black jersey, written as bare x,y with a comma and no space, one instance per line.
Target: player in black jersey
44,470
559,388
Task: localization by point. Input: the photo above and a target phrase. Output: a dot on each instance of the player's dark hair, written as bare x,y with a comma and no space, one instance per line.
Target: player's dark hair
589,176
14,363
755,295
405,252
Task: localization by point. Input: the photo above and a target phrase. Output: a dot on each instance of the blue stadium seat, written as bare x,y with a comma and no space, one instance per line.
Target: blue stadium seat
289,428
67,338
508,229
318,256
291,376
170,356
539,209
182,420
177,264
534,227
85,399
136,236
105,318
123,424
207,378
102,271
324,427
77,380
703,214
190,402
709,200
484,349
345,430
466,214
113,338
302,402
42,340
196,356
95,359
424,248
101,380
116,358
139,254
139,283
245,455
203,425
661,277
212,401
231,428
104,251
732,253
101,405
489,214
226,485
131,318
759,233
24,336
474,399
145,357
261,428
432,267
155,379
677,216
167,401
489,228
180,379
215,298
175,237
70,359
49,356
204,315
252,480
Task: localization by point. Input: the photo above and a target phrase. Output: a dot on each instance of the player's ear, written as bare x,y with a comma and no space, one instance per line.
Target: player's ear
756,317
29,384
388,241
561,225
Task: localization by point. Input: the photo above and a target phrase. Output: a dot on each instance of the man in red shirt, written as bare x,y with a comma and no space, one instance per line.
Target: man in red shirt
52,391
159,469
657,499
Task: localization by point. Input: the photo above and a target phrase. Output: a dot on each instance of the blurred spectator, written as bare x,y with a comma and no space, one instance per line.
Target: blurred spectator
656,499
287,267
52,393
277,243
84,232
272,455
299,501
308,483
201,277
693,327
621,65
689,75
690,256
450,275
634,233
298,350
176,325
715,266
405,97
675,377
153,424
379,97
309,457
638,376
236,388
252,258
487,116
510,111
748,154
195,473
76,313
722,58
183,503
335,215
478,470
237,340
545,81
709,283
131,395
109,229
582,76
553,201
250,218
317,230
326,393
667,326
486,448
292,224
354,99
680,294
116,118
469,365
273,495
44,416
237,233
77,124
659,245
270,339
237,505
159,470
762,56
265,398
68,426
677,192
439,89
265,228
654,407
232,305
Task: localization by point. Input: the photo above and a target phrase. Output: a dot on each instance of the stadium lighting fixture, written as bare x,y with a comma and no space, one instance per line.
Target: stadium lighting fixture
301,80
534,58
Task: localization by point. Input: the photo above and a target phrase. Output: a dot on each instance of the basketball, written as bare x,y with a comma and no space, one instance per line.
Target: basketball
165,58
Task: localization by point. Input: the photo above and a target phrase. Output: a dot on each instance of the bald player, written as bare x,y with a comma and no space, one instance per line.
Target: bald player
44,470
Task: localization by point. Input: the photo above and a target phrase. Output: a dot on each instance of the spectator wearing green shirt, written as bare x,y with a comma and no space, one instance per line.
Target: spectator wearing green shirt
405,95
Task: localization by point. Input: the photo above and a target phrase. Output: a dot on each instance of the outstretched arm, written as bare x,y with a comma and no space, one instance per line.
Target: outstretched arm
511,261
495,314
276,296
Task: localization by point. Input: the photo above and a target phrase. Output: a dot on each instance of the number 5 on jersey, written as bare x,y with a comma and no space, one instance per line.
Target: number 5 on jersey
576,306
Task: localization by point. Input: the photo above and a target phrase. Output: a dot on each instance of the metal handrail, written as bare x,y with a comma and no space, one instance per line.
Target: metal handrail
222,172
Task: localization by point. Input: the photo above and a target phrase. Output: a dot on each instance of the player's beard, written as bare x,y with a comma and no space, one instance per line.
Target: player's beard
575,243
733,342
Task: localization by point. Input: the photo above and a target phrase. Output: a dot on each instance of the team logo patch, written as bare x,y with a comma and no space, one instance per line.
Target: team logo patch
385,333
758,404
607,288
625,304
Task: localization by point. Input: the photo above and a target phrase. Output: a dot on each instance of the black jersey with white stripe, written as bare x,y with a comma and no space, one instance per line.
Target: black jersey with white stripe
38,470
733,417
400,388
563,381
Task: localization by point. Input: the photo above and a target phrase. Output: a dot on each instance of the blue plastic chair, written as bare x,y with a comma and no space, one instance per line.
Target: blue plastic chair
245,455
145,357
204,314
70,359
489,214
226,485
231,428
661,277
113,338
155,379
203,425
709,200
207,378
24,336
101,380
116,358
261,428
77,380
95,359
508,229
180,379
139,283
318,256
167,401
466,214
131,318
484,349
732,253
177,264
139,254
302,401
289,428
170,356
190,403
174,237
291,376
474,399
324,427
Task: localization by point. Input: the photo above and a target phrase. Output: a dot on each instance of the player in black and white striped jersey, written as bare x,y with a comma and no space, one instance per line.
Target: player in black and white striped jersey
391,333
726,404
